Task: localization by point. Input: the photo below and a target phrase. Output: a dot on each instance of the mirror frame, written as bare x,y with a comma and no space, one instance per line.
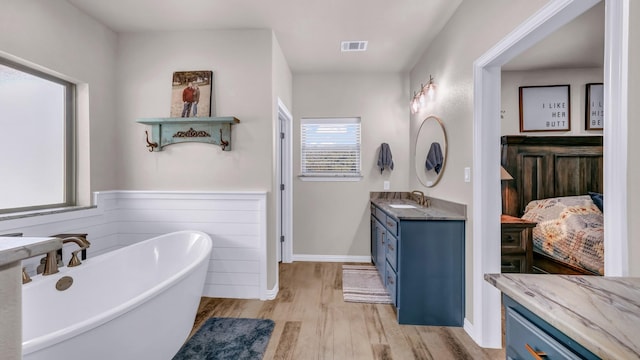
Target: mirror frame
446,150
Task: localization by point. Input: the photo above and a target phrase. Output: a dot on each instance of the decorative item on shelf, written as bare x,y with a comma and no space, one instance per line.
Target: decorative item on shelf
594,112
420,97
167,131
191,94
545,108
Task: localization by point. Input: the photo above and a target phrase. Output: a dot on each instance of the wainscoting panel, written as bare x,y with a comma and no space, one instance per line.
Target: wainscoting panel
236,222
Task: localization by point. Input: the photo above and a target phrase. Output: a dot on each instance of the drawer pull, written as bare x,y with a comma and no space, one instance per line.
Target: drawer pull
509,239
538,355
390,280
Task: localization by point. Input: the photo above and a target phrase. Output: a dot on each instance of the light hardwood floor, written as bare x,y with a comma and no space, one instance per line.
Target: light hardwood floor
313,322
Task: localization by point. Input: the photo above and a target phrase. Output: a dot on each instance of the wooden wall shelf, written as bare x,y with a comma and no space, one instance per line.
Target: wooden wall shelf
210,130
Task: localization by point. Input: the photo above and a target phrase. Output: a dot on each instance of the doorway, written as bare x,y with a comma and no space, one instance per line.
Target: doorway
486,329
284,198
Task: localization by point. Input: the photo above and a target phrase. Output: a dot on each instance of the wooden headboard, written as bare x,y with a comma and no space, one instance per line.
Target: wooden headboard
549,166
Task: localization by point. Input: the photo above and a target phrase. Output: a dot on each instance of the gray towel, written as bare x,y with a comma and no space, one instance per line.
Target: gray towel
384,157
434,158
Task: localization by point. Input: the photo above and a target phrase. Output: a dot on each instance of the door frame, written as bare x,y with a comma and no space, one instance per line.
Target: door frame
284,199
486,328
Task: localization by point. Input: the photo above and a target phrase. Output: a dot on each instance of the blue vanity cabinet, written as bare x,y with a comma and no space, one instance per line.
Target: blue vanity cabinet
421,263
527,334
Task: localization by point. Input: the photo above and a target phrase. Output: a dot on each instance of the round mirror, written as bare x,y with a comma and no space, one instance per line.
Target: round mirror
431,151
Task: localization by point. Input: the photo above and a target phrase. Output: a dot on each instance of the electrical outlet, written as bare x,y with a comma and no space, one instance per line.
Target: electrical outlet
467,174
386,185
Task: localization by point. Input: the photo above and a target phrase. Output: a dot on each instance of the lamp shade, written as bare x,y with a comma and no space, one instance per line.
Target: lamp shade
504,174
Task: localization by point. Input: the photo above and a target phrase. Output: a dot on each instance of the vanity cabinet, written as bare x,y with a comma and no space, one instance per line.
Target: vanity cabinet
528,336
421,263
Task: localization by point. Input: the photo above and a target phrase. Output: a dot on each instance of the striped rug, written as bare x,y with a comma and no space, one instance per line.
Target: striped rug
361,283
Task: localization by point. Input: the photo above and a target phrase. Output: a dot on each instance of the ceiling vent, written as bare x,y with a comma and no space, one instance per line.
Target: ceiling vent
354,46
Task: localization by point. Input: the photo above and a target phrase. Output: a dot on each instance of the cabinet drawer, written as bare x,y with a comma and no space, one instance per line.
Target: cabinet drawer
513,240
524,336
513,264
390,282
392,225
392,251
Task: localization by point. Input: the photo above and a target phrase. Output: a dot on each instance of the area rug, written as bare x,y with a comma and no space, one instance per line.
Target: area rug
361,283
228,338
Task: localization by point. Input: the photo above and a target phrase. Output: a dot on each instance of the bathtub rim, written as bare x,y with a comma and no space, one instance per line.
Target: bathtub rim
44,341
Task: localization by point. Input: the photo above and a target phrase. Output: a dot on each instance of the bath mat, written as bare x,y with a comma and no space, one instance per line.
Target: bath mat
228,338
361,283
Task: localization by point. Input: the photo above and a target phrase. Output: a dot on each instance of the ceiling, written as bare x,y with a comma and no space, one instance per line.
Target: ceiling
308,31
579,44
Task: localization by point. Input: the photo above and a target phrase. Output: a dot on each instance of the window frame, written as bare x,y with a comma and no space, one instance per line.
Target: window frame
331,176
70,141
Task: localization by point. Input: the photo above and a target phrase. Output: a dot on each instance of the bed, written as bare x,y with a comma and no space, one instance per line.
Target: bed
557,176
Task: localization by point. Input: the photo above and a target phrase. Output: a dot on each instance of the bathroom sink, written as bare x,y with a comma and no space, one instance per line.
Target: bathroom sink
402,206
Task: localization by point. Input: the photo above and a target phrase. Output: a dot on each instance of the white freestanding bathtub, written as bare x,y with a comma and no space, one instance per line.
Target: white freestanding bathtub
137,302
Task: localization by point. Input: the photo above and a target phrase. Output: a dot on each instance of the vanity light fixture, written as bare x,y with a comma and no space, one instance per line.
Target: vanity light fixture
426,93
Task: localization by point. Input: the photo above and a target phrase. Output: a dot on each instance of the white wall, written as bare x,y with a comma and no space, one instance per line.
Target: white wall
245,70
65,42
633,153
576,78
474,28
331,219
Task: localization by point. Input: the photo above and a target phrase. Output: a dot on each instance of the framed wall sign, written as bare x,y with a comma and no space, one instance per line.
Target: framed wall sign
594,112
545,108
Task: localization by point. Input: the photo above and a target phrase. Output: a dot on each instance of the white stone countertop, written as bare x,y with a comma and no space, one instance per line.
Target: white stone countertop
18,248
600,313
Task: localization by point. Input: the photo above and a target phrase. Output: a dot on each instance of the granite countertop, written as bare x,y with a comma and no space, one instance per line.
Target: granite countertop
437,210
600,313
14,249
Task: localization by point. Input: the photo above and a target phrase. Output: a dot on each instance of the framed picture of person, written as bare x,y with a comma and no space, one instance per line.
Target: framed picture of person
192,94
594,112
545,108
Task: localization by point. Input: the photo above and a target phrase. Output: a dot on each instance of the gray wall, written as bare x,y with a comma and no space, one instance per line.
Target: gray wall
474,28
332,218
576,78
633,153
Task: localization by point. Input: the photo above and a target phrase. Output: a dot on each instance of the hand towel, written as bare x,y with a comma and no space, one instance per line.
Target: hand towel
434,158
384,157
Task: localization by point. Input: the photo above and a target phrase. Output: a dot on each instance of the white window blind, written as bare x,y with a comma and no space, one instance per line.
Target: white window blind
330,147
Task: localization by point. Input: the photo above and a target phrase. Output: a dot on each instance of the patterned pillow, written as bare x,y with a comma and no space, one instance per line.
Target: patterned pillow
549,209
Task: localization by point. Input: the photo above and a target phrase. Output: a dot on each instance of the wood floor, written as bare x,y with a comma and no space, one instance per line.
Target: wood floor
313,322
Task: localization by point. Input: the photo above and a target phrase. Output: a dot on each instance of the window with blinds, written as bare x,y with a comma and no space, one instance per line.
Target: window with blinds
330,147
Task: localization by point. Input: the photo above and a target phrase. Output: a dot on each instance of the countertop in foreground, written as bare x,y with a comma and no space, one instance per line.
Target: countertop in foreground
600,313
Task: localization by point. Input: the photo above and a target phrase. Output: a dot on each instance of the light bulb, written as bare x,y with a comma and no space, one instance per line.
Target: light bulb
414,106
423,99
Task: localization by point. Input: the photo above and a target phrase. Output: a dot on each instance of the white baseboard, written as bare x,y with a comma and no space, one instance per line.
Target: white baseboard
271,294
331,258
468,327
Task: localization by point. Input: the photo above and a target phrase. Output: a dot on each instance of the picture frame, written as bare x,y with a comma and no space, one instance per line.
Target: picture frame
545,108
197,86
594,110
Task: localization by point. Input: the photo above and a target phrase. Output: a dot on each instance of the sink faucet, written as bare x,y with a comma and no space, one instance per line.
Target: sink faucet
51,260
418,196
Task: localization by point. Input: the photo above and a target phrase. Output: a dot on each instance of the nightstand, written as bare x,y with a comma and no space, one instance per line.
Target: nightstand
516,245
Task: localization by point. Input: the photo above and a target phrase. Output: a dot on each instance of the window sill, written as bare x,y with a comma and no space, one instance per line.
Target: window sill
27,214
330,178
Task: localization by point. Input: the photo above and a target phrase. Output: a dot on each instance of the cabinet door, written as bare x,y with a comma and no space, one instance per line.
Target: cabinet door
380,248
373,239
